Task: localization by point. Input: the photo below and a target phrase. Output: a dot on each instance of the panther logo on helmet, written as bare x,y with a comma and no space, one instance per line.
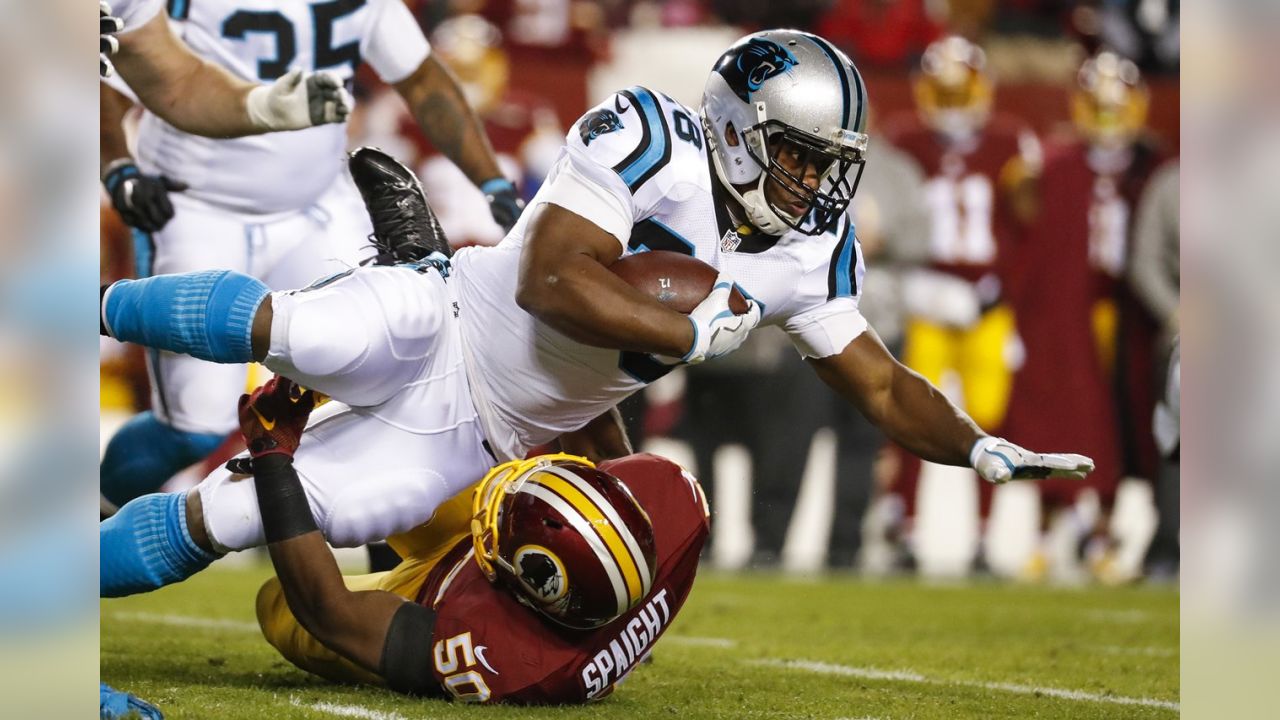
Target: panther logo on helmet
745,67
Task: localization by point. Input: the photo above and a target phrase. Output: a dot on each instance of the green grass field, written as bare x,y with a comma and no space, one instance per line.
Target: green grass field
745,646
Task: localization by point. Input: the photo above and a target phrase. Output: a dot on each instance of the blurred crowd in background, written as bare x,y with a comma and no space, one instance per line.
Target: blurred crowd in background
1019,217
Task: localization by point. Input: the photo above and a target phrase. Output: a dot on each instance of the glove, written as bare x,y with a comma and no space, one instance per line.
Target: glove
504,202
273,417
142,200
108,45
716,330
299,100
998,461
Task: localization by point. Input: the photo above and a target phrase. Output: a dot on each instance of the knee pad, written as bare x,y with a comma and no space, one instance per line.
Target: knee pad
207,315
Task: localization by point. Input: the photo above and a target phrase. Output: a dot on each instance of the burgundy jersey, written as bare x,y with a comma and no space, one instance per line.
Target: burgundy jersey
972,229
490,648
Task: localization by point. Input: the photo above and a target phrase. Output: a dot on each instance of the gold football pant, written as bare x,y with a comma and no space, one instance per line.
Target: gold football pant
976,354
422,548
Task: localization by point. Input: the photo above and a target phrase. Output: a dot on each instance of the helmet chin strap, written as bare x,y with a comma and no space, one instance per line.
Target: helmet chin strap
760,214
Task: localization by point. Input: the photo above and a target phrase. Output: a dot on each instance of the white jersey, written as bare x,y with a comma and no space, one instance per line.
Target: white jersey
259,41
637,166
135,13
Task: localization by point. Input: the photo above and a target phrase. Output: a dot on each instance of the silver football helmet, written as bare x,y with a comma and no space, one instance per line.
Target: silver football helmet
787,89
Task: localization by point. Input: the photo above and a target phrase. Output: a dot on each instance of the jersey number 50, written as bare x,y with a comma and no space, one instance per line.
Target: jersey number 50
453,657
324,16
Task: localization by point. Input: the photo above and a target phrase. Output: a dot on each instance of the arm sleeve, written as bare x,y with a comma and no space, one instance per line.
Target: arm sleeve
406,658
825,317
394,46
135,13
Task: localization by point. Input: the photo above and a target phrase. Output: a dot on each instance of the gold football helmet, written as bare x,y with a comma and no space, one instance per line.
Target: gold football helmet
1109,104
953,90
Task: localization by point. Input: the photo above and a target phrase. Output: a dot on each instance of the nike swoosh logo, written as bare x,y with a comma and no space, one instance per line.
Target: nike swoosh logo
480,656
617,103
267,425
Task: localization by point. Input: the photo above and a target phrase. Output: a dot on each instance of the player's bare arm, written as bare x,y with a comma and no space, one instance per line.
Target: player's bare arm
604,438
917,416
440,108
379,631
565,282
910,410
200,98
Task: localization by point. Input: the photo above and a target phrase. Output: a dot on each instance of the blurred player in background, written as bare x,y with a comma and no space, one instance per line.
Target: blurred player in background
545,584
197,96
278,208
958,321
1088,352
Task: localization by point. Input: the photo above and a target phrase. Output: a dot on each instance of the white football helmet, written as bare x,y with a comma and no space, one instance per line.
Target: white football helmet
786,85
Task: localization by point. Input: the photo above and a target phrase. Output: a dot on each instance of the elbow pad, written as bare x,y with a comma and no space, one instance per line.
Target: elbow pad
406,657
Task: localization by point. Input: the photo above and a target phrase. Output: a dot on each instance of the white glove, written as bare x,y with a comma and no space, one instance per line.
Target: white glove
998,461
299,100
716,330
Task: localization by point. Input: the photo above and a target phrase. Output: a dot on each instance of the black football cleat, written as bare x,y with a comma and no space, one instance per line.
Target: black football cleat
405,228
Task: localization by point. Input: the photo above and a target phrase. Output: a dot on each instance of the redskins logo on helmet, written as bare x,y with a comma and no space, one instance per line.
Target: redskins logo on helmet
1109,105
953,90
566,539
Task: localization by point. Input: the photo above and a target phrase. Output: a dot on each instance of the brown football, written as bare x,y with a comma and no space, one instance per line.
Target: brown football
674,279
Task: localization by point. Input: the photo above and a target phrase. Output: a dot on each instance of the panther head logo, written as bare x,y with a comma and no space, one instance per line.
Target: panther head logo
600,122
746,67
542,572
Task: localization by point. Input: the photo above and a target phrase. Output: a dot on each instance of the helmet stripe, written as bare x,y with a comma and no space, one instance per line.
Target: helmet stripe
611,512
583,526
606,530
844,79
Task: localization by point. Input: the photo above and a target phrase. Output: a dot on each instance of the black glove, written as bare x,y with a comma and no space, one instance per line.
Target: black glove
142,200
108,26
504,202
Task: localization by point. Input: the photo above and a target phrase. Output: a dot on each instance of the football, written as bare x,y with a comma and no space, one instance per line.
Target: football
674,279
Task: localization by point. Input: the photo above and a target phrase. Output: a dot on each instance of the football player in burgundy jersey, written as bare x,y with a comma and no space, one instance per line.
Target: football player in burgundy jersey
1089,336
957,317
605,557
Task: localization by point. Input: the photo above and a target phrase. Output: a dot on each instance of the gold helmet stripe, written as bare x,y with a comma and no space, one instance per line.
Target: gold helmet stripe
603,527
584,528
633,547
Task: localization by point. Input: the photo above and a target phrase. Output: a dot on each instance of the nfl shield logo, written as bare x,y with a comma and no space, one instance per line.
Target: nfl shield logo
730,241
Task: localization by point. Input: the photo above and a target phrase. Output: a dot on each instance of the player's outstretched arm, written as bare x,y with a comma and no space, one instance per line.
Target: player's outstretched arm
917,416
379,631
203,99
438,104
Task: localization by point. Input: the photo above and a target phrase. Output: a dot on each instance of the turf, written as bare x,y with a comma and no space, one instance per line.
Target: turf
745,646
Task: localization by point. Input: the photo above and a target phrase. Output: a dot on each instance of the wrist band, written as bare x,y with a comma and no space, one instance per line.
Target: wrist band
282,502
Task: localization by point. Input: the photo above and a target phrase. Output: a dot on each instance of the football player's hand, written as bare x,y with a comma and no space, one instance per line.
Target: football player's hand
716,330
998,461
108,26
504,202
141,200
273,417
299,100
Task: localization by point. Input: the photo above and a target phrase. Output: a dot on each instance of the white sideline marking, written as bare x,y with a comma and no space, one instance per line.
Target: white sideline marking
1119,616
186,621
1149,651
715,642
352,711
909,676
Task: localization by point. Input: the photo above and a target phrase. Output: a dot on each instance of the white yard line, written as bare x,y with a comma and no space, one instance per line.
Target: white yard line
351,711
712,642
1149,651
186,621
822,668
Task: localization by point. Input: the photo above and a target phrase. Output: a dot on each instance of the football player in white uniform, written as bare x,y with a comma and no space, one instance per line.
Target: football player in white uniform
198,96
280,208
434,364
